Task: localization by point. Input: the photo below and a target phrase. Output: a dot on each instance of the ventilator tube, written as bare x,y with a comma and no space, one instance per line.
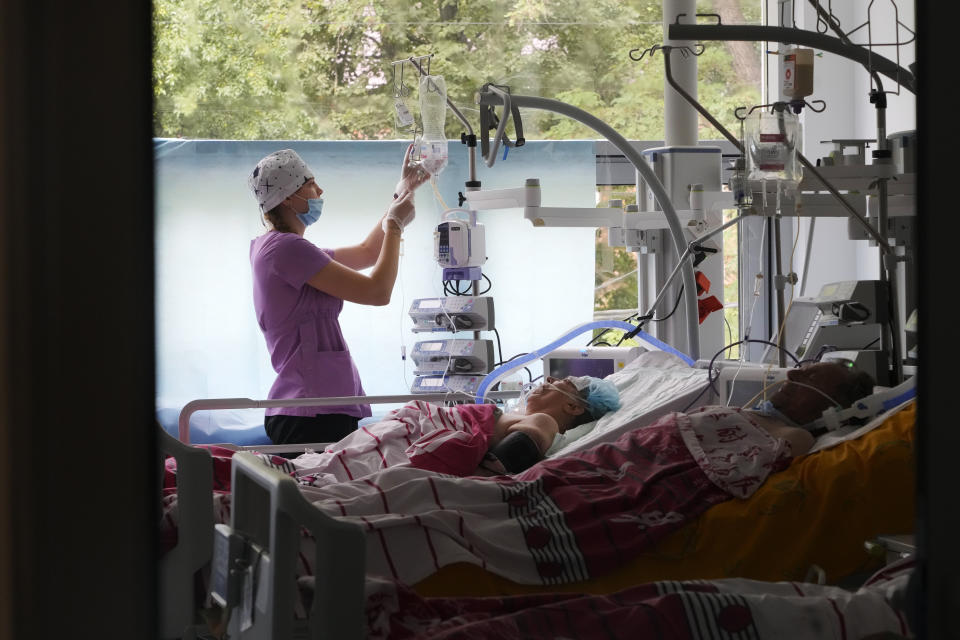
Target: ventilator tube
503,370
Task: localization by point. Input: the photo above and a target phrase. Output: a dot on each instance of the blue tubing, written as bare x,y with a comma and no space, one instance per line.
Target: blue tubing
901,398
494,376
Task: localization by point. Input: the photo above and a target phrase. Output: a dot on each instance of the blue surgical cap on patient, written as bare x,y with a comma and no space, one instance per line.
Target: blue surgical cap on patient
600,395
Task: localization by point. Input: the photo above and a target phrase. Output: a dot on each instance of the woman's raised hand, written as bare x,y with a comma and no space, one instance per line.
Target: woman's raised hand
411,175
402,212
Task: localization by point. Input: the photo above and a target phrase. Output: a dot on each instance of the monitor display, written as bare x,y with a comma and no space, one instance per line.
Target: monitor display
596,367
738,392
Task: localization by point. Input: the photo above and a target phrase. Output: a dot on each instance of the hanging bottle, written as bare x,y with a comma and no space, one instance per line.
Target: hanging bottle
432,145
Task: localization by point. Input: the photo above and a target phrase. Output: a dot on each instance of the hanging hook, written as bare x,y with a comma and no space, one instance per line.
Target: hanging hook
650,50
774,106
697,50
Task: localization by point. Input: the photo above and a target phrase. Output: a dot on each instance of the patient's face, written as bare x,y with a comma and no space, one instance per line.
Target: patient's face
802,404
549,395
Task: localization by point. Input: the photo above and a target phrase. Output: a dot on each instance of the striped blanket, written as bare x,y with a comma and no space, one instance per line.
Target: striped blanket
693,610
565,519
450,440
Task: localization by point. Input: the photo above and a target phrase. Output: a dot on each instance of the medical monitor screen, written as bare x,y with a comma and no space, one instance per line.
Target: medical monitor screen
596,367
739,392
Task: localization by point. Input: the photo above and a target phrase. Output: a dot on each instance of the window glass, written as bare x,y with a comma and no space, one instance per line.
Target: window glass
321,69
236,79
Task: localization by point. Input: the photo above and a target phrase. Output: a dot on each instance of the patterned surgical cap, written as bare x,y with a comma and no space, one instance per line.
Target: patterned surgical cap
277,177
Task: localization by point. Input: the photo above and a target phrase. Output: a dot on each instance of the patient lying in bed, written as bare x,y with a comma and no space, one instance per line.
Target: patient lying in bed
571,517
466,440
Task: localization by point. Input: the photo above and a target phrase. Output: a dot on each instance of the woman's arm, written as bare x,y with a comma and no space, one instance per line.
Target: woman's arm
340,281
365,254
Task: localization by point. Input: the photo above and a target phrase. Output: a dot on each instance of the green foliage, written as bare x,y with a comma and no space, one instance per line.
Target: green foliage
320,69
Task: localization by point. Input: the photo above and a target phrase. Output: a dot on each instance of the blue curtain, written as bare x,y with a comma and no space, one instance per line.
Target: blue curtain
208,342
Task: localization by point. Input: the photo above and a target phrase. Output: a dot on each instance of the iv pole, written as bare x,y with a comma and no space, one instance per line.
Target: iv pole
875,65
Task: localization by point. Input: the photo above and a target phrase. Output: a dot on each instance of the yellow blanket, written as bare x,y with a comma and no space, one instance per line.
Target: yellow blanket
819,511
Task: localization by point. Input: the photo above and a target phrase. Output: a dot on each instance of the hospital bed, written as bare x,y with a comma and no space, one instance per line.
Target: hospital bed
665,385
682,555
714,546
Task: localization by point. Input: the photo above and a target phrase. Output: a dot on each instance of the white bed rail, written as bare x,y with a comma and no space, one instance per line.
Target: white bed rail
194,535
337,610
246,403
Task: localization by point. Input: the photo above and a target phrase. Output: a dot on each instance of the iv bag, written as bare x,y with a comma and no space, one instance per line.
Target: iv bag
773,142
432,145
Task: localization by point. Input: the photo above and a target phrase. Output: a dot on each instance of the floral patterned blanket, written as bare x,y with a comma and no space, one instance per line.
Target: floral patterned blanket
565,519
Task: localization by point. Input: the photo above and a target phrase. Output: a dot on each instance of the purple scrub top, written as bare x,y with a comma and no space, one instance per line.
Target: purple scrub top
301,326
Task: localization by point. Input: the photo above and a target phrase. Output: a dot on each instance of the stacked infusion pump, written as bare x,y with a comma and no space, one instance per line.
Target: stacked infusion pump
845,320
447,364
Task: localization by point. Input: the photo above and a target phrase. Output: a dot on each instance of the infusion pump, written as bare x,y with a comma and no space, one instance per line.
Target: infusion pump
460,248
456,313
453,356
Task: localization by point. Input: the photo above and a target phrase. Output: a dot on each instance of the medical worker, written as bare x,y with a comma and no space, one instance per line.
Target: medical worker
299,289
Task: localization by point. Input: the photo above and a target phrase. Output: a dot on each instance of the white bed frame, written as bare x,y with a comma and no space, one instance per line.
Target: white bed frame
194,546
337,608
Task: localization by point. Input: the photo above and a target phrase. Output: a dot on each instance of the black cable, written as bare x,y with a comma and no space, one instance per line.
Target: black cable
827,348
713,380
649,317
489,285
870,345
499,350
451,289
509,360
602,333
529,373
454,288
672,311
694,401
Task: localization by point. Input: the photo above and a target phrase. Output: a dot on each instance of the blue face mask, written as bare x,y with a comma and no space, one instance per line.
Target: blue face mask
314,209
